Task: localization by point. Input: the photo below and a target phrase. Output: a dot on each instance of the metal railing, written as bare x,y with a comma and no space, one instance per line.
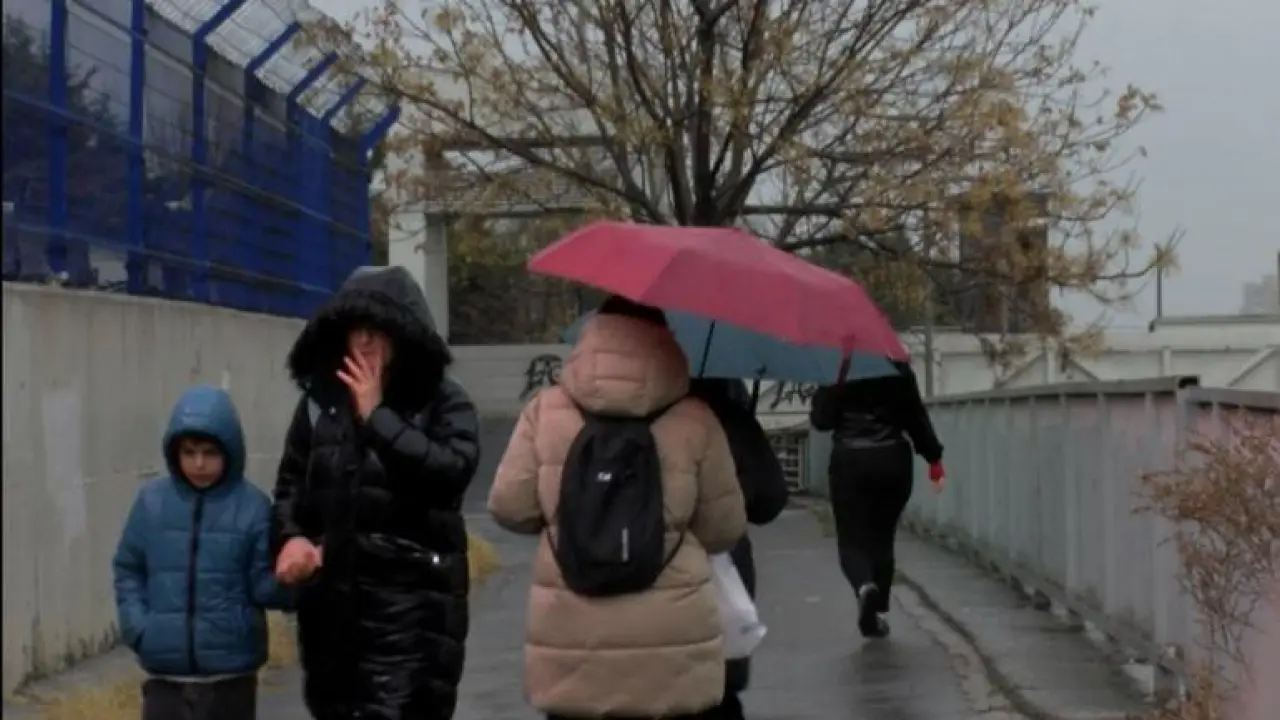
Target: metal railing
1044,484
183,148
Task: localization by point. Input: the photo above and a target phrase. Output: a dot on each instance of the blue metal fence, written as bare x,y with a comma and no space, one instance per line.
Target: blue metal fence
160,147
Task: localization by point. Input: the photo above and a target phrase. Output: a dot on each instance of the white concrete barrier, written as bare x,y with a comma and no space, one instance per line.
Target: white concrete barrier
89,380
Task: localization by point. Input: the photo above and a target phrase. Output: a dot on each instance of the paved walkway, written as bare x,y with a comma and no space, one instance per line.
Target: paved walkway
813,665
985,654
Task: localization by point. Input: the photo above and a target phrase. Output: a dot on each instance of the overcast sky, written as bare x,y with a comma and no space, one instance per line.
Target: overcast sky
1214,167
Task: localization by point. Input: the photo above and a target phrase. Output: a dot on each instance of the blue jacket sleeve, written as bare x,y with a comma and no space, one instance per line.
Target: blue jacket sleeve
265,591
129,568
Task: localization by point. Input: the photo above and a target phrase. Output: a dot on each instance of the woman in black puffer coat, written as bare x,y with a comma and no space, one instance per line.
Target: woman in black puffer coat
376,486
763,487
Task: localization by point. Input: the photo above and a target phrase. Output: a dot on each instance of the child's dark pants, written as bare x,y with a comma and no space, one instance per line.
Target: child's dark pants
231,699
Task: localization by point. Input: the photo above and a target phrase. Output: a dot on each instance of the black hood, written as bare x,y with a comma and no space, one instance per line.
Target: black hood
388,299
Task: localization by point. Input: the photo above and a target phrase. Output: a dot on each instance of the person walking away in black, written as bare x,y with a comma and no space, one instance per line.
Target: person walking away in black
874,423
367,516
764,488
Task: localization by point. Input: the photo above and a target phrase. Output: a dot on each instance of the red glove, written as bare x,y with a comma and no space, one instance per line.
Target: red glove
936,473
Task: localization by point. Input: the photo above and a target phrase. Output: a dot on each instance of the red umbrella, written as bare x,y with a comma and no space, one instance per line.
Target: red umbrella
723,274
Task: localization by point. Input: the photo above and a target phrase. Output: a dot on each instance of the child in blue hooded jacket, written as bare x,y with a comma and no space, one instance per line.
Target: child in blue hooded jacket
192,570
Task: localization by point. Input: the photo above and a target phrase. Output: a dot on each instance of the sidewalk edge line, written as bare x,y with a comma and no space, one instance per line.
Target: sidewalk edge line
1018,700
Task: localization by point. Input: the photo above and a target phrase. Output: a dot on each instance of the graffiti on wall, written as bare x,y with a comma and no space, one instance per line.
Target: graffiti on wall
542,371
792,394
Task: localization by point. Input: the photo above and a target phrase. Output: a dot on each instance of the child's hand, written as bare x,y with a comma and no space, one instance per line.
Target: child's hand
298,560
364,380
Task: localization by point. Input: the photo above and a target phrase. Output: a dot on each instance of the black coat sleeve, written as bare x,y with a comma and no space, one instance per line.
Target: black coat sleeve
768,496
764,487
443,454
915,419
291,479
824,410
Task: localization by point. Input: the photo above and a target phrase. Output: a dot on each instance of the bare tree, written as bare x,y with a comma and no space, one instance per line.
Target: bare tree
811,122
1221,500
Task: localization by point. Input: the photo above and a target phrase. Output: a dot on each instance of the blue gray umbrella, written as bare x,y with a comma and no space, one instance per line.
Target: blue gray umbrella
722,350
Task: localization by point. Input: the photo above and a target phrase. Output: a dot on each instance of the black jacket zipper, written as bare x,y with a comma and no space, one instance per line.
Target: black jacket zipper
192,560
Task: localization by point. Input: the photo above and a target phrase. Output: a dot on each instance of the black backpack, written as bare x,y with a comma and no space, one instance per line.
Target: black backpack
610,528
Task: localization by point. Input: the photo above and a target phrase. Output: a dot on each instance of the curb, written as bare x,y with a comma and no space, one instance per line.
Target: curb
1018,700
988,700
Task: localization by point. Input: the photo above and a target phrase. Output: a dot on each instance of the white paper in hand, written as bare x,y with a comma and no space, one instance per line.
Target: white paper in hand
739,620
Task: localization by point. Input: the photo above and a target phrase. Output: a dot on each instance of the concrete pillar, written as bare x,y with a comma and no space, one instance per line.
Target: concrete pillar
419,244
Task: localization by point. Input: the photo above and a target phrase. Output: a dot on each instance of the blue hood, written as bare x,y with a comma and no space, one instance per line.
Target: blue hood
207,410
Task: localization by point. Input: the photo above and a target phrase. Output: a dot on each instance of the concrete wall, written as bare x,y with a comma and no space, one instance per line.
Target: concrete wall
501,377
89,380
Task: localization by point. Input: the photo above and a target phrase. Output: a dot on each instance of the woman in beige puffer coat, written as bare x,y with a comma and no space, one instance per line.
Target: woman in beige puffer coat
656,653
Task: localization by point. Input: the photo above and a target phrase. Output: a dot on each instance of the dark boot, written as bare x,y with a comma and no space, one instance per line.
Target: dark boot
870,622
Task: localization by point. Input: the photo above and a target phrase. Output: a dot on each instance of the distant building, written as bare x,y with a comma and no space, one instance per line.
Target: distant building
1261,297
995,304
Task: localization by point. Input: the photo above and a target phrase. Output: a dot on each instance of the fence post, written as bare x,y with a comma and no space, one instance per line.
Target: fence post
303,141
339,259
200,255
56,249
348,96
368,141
264,299
137,262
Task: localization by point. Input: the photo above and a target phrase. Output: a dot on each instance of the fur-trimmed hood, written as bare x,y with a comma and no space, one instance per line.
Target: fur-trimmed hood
388,299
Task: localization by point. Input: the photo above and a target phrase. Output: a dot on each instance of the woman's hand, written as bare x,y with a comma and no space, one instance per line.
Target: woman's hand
937,475
299,559
364,380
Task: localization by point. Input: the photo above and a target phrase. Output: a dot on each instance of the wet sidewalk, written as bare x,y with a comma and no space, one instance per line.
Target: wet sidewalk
1041,663
812,666
963,644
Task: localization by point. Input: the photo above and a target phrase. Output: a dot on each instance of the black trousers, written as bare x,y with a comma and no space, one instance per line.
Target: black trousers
730,708
869,490
231,699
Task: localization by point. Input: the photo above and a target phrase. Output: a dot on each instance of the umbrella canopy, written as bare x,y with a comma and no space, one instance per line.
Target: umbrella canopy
724,350
724,275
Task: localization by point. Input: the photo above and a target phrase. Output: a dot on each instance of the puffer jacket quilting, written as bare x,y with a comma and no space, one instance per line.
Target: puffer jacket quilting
192,570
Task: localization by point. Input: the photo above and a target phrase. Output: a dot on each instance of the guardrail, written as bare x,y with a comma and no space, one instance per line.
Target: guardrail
1044,483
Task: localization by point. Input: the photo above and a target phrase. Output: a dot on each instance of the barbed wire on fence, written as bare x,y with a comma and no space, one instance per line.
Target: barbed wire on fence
184,148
